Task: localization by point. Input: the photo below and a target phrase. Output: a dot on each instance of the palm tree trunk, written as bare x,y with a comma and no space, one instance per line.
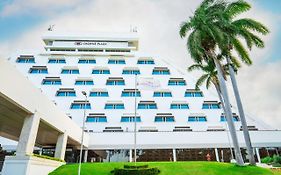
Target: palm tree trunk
242,115
223,107
228,113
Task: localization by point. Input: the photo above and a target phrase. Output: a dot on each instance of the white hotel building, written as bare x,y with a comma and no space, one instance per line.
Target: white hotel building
174,121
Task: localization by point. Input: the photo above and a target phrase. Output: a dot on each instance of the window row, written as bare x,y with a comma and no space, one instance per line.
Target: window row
140,105
31,59
125,93
125,71
113,81
160,117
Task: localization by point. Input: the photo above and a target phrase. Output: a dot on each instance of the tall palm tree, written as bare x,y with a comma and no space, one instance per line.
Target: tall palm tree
205,36
234,29
210,77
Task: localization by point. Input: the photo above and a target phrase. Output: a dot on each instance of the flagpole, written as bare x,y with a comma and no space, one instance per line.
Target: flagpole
135,122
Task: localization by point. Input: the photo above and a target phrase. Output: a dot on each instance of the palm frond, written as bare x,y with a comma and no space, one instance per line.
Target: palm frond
195,67
236,8
184,28
201,80
208,82
243,54
194,46
251,25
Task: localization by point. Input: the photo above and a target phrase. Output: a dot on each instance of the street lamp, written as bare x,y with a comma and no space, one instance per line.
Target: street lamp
84,119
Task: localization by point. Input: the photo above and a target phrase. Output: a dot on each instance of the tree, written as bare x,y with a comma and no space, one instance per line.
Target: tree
235,29
210,77
202,42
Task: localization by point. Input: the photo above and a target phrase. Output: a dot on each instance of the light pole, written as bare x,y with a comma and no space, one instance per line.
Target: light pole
135,122
84,118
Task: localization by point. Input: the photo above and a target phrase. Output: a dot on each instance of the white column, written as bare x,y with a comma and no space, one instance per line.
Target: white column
86,155
174,155
61,146
217,154
28,135
258,155
130,155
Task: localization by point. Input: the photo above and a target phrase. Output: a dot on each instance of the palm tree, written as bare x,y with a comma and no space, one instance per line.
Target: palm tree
210,77
205,36
234,29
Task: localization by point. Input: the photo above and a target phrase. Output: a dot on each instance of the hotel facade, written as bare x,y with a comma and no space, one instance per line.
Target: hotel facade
174,122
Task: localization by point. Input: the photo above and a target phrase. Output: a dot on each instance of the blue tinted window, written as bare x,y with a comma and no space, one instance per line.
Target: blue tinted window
66,93
115,82
111,61
179,106
25,60
162,94
134,72
82,82
193,94
210,106
197,119
98,94
39,71
160,72
96,71
114,106
80,106
147,106
130,94
56,61
176,83
164,119
96,119
90,61
145,62
51,82
70,71
130,119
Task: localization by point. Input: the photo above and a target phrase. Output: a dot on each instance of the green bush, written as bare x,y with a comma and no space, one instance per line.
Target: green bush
276,164
135,166
139,171
277,159
267,160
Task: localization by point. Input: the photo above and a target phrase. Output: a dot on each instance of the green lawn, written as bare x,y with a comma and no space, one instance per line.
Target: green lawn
169,168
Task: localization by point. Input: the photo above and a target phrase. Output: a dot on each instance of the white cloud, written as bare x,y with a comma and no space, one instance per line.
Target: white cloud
35,7
158,24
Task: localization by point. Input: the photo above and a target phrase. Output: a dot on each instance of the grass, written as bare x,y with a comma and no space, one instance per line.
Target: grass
168,168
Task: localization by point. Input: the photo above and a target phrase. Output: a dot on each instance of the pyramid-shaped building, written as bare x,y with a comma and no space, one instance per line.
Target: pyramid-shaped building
173,120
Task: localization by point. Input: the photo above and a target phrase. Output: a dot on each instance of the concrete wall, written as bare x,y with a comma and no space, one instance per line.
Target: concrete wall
29,165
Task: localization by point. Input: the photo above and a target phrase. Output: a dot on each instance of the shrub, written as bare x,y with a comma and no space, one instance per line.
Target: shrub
276,164
145,171
136,170
267,160
135,166
277,159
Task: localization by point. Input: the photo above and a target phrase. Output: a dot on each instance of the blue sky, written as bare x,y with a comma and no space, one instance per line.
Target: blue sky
16,24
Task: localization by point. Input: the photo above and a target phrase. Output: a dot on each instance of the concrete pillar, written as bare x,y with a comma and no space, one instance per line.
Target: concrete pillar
217,155
85,155
258,155
28,135
174,155
61,146
130,155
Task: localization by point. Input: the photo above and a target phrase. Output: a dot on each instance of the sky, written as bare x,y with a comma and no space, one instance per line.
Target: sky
23,22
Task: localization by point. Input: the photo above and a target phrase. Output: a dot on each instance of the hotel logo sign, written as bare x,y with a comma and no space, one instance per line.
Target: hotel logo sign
78,43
